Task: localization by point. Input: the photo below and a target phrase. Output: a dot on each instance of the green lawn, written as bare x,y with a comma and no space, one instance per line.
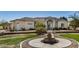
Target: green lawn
73,36
14,40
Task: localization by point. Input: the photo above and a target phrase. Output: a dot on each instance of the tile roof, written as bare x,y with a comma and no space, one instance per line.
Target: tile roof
33,19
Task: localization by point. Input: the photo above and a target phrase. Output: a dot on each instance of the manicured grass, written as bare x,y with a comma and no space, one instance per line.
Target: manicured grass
73,36
15,39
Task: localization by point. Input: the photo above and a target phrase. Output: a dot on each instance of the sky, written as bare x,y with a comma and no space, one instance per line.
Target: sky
11,15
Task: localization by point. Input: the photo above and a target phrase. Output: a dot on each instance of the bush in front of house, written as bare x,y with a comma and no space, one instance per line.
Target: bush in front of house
55,28
62,28
12,30
40,27
23,29
31,29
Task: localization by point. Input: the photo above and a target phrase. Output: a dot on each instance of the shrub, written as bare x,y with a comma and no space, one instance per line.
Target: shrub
23,29
31,29
55,28
62,28
40,30
12,30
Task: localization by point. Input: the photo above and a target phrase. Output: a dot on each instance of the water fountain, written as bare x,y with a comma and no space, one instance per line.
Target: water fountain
49,41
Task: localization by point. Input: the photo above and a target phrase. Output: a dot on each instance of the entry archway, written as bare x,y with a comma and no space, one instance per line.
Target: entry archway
49,24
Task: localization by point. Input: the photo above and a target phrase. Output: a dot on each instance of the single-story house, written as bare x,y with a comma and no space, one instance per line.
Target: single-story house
29,23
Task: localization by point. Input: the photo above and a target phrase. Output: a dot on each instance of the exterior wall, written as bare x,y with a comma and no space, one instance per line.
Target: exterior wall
64,22
46,23
56,24
12,25
53,24
28,24
18,25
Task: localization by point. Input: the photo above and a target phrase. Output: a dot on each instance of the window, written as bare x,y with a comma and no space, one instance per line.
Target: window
62,25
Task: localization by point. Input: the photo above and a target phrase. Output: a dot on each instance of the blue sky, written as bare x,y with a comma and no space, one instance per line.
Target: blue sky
11,15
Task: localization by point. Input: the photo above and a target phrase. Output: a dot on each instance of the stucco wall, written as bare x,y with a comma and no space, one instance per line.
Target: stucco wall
18,25
23,24
64,22
53,24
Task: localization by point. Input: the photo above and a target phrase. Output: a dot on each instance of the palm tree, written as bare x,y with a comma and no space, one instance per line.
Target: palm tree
75,22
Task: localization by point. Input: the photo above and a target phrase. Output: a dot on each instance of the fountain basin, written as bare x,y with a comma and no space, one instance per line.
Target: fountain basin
28,44
61,44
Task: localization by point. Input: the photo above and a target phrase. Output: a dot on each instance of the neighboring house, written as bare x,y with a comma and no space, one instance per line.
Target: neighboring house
29,23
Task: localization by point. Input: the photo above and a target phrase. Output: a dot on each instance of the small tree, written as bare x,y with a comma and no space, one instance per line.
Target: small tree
40,27
4,25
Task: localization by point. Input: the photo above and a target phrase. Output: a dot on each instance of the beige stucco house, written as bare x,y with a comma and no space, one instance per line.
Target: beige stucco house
29,23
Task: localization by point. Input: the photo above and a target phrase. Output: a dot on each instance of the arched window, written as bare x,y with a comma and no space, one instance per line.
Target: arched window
62,25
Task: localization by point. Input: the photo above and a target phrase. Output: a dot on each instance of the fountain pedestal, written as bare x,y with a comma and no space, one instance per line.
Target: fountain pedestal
50,39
